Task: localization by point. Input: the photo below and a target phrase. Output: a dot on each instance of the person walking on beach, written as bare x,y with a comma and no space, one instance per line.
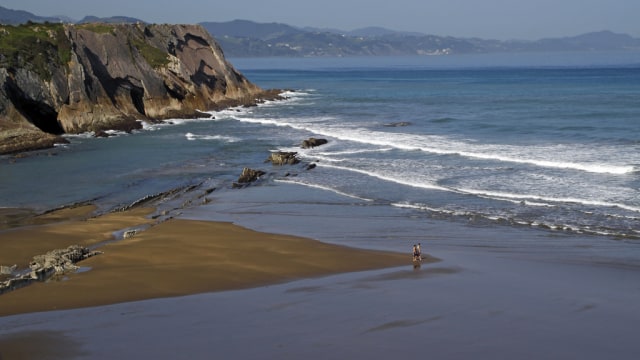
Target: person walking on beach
416,253
419,252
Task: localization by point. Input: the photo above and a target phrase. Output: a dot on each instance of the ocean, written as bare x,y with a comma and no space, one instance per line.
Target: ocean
540,143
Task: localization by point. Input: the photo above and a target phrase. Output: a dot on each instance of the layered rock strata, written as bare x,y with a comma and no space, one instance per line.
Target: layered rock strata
57,79
43,267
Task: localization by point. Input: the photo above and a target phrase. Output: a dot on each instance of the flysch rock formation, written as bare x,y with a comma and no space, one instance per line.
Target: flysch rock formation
60,79
43,267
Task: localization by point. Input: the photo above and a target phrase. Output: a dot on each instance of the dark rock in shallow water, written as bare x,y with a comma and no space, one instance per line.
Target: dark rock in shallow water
313,142
248,176
101,134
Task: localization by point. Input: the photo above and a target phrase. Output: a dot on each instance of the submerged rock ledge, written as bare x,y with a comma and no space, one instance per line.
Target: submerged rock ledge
60,79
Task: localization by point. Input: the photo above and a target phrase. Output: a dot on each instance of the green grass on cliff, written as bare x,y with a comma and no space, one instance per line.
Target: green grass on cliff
42,47
34,47
99,28
154,56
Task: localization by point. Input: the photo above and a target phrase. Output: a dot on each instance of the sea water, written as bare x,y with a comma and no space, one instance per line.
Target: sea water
507,141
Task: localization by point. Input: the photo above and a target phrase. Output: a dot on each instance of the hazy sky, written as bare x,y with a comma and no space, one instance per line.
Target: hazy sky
496,19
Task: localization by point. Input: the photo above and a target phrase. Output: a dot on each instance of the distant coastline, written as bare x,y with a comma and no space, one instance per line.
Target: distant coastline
244,38
241,38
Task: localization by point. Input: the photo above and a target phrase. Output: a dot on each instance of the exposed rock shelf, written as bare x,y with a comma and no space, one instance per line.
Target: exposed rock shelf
43,267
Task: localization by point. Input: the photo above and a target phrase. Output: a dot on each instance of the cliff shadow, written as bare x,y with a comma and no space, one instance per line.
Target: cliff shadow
37,112
115,87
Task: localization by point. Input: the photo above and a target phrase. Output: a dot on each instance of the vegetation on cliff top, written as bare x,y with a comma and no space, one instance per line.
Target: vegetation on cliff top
34,47
99,28
154,56
38,46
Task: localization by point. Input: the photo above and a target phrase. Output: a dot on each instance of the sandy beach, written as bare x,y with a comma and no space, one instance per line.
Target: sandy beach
201,287
171,258
337,302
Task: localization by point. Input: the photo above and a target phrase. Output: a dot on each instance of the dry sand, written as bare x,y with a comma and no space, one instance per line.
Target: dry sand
175,257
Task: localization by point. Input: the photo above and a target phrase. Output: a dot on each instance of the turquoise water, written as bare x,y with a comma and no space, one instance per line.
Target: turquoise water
549,143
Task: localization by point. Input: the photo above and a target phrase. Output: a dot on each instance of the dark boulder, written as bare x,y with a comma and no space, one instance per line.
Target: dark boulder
101,134
248,176
313,142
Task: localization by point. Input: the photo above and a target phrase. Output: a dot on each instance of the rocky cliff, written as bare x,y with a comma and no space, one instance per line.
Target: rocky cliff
57,79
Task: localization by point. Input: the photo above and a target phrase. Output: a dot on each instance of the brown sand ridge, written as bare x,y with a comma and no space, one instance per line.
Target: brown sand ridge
173,258
62,228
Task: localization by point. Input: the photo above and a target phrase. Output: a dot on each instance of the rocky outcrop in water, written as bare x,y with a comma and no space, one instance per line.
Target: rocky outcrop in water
57,79
283,158
45,266
248,176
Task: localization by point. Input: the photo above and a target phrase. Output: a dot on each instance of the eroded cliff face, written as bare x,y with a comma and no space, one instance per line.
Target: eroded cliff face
99,76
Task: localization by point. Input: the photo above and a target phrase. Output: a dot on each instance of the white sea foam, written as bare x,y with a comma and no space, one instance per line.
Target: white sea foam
295,96
150,126
169,122
324,158
425,207
525,197
354,152
423,185
579,229
441,145
116,132
594,168
534,203
84,135
326,188
191,136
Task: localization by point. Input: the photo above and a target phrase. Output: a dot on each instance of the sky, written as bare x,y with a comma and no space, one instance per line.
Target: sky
487,19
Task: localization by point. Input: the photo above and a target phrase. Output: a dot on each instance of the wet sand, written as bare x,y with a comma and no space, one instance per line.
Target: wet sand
38,345
173,258
471,305
496,302
62,228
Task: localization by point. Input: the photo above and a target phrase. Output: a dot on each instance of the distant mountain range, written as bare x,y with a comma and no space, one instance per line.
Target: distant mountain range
243,38
16,17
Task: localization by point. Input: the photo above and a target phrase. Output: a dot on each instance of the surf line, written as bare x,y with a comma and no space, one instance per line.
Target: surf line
505,196
365,136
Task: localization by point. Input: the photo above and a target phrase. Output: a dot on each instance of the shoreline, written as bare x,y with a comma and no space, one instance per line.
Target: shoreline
174,257
470,305
478,301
